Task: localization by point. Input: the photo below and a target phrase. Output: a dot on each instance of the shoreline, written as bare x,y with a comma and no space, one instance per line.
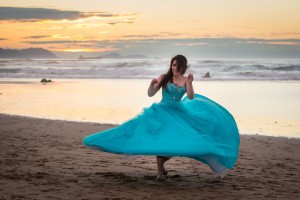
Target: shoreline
45,159
259,107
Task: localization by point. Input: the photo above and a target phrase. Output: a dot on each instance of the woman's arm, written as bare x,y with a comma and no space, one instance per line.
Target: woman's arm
189,86
155,85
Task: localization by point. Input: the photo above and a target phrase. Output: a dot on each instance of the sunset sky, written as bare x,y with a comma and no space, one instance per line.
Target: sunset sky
155,28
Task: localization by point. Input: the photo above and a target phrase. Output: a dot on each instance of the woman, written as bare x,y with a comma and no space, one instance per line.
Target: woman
195,127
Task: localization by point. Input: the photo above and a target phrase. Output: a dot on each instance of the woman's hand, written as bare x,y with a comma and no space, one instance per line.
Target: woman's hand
190,78
154,81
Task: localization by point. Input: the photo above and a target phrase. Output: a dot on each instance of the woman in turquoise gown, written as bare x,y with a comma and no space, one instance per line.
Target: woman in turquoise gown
194,127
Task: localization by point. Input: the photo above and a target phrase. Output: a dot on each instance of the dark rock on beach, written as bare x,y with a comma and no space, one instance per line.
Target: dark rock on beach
207,75
46,81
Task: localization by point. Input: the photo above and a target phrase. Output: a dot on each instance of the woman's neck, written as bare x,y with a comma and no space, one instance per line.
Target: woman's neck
177,77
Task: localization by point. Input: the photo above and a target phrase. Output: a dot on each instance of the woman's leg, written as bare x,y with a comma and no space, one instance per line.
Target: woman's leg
165,159
160,172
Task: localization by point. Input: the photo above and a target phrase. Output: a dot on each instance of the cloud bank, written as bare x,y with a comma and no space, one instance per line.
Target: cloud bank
21,14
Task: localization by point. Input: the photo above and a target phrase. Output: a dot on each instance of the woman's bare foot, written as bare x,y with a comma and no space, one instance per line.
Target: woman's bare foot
161,177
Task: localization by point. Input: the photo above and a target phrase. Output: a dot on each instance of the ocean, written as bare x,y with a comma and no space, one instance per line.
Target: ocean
219,69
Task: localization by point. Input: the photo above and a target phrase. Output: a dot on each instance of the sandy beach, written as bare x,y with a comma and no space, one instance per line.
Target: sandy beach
45,159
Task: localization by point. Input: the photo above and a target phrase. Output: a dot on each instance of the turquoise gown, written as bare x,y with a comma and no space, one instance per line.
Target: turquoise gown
199,129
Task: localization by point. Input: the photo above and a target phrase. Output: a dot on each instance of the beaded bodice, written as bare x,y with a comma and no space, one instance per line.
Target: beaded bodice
172,93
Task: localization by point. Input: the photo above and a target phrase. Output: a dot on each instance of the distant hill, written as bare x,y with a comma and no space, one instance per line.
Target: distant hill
118,56
26,53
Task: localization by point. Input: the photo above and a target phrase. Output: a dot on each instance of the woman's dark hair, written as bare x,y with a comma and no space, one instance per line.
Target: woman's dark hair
182,66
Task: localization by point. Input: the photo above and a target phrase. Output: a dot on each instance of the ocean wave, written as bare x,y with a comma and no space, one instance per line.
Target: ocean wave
258,66
6,70
113,68
288,68
231,68
210,61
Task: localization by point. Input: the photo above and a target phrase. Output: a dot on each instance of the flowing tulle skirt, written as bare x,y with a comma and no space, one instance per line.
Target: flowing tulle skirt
200,129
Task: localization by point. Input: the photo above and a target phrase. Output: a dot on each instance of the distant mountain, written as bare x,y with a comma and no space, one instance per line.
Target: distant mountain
26,53
118,56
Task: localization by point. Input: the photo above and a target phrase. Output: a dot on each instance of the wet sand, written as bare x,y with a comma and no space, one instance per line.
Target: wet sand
45,159
259,107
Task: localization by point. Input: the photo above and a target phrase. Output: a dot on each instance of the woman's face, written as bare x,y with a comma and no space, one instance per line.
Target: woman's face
174,68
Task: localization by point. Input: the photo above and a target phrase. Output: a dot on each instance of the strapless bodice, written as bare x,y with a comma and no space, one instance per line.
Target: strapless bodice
172,93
